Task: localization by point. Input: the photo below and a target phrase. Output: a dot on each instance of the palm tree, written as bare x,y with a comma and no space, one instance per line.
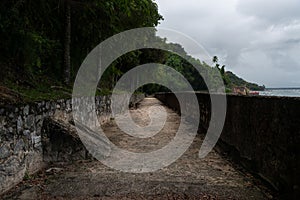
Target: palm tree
215,59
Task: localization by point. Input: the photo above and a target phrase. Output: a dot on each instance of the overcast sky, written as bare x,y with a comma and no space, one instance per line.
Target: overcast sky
259,40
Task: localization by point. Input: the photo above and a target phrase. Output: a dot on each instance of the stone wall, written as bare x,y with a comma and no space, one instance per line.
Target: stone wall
264,132
21,127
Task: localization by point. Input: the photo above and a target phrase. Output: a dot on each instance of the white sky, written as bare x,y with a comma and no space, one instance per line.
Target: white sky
259,40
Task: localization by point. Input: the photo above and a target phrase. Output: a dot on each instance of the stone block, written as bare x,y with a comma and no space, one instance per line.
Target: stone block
5,151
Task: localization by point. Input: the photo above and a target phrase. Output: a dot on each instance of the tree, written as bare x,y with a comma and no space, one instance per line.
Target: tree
215,59
222,70
67,43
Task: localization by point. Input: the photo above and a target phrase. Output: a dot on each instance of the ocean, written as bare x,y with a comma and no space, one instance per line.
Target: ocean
285,92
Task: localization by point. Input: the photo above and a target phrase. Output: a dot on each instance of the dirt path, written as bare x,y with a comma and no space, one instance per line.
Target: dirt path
188,178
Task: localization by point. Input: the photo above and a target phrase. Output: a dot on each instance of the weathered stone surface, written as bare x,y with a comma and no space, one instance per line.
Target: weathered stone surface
263,131
12,165
34,162
37,141
19,147
19,124
26,133
11,130
2,121
4,151
20,137
61,142
7,181
30,121
5,135
26,110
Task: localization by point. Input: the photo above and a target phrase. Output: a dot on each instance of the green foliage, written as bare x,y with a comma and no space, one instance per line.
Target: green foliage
215,59
39,90
32,35
225,78
236,81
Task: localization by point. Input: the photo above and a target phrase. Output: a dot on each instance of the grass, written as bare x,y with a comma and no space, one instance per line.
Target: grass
37,89
27,88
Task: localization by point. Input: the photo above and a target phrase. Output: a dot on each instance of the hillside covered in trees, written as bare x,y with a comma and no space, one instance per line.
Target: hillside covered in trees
237,81
43,44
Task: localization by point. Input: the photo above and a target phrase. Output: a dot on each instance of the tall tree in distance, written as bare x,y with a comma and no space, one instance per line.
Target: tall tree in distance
67,43
216,60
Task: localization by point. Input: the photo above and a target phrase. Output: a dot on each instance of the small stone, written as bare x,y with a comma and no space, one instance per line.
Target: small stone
19,146
2,111
26,133
2,121
26,110
10,129
53,105
33,110
36,140
19,124
38,118
11,166
47,105
4,152
11,115
29,121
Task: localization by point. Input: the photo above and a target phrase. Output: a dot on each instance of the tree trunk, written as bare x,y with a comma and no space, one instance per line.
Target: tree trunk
67,43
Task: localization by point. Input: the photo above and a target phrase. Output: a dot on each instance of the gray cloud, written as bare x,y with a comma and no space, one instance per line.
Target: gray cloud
277,11
258,40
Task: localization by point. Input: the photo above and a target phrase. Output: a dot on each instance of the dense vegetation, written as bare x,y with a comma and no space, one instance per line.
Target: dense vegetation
236,81
43,44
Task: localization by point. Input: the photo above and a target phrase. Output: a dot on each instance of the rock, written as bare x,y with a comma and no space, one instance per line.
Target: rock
36,140
19,124
26,133
4,151
31,193
8,181
54,169
34,162
53,106
11,165
26,110
29,122
2,111
5,135
47,105
20,145
11,115
2,121
10,129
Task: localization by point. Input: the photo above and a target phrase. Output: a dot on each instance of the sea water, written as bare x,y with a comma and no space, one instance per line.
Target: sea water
281,92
